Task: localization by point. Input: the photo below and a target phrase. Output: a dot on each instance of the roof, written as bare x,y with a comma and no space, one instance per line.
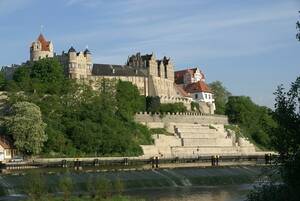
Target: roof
6,142
116,70
179,75
72,49
87,51
199,86
181,91
44,42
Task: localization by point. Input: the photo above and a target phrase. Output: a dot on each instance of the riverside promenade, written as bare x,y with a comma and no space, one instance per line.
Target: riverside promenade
123,163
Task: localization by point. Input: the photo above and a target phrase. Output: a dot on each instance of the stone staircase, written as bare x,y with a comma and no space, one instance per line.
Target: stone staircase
193,140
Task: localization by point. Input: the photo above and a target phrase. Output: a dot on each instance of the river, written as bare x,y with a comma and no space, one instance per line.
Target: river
184,184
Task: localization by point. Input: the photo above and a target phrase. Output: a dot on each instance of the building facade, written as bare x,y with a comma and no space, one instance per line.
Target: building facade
152,76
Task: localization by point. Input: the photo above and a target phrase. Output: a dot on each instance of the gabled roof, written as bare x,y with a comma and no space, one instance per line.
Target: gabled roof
179,75
199,86
6,142
116,70
44,42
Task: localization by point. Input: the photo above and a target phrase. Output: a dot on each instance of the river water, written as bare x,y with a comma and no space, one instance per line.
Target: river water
184,184
208,193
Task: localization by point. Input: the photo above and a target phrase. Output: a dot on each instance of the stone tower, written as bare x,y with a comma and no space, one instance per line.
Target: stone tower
41,48
78,64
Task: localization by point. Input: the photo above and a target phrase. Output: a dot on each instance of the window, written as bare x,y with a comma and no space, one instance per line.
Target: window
196,96
205,96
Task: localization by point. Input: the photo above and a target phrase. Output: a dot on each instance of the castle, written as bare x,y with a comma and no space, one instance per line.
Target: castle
152,76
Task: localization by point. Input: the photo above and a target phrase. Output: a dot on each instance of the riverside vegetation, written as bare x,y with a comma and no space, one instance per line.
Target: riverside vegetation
72,119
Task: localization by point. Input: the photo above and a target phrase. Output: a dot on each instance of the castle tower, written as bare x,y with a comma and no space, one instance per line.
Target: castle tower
41,48
89,62
168,68
79,64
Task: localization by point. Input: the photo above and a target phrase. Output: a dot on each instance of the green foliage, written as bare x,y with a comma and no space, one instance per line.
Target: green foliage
172,107
80,120
286,137
265,192
27,128
152,104
286,141
195,106
255,121
2,80
129,100
221,96
160,131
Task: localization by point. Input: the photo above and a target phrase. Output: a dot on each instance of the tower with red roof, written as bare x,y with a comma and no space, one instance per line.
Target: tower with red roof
41,48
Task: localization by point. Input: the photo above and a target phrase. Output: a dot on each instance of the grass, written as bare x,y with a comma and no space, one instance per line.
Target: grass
160,131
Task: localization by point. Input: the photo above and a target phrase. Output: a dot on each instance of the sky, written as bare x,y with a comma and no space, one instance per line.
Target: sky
248,45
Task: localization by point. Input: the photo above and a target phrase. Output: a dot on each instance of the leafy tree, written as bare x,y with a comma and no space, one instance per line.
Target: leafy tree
221,96
80,120
2,80
195,106
172,107
129,100
286,141
27,128
256,121
152,104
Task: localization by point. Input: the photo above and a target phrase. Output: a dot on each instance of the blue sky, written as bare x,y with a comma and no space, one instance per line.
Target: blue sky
249,45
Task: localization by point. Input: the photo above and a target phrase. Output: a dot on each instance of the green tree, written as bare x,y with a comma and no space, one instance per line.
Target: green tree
255,121
27,128
2,80
152,104
129,100
221,96
286,141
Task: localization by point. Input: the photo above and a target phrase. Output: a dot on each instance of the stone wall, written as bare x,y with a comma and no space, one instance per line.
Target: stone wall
181,117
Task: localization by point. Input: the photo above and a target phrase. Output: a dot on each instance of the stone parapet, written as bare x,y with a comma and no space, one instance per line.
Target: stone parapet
187,117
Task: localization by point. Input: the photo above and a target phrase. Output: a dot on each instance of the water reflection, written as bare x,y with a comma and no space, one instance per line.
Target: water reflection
216,193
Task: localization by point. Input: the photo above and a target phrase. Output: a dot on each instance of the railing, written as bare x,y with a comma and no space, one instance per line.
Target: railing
122,163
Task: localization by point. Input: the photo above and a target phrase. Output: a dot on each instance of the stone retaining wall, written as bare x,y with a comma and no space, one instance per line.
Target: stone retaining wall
181,117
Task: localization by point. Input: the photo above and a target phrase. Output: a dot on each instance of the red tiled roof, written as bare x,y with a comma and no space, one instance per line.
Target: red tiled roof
180,74
199,86
44,42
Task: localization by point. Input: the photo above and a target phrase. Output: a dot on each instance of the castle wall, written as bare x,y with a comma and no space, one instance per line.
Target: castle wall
186,102
37,55
140,82
181,117
159,86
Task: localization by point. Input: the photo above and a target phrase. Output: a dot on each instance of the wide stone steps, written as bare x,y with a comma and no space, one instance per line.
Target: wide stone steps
201,135
207,142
